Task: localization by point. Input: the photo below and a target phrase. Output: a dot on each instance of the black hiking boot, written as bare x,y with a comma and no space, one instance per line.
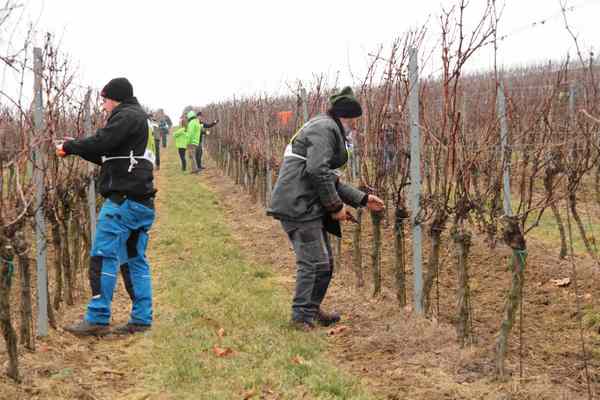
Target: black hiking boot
84,328
325,319
303,326
130,328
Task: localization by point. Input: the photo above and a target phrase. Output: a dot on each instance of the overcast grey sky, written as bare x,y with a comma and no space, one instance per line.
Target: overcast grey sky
195,52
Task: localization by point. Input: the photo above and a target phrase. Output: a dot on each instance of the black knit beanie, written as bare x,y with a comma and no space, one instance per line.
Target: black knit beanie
345,105
117,89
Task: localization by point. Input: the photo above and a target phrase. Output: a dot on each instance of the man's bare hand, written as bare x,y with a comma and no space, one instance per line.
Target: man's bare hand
374,203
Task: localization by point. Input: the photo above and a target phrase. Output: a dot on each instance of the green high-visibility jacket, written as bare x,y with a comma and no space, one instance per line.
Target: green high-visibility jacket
193,130
181,137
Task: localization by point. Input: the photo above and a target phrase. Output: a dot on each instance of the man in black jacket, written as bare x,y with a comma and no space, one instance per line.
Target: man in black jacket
125,150
164,124
203,131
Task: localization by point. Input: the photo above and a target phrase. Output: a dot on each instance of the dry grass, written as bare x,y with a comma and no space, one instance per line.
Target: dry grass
404,357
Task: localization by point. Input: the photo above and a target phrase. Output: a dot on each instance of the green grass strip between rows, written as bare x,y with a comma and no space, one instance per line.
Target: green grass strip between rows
205,284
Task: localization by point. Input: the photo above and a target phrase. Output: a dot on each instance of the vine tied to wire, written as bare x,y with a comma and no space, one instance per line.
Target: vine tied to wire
9,271
522,254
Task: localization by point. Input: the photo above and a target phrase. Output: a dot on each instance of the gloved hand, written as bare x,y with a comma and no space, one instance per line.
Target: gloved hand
60,152
58,144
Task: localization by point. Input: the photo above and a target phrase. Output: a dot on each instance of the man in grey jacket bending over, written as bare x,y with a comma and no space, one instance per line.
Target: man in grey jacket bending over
310,200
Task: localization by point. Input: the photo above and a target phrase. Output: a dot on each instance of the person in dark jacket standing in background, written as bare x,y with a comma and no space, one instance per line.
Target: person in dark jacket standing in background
164,125
310,200
124,148
203,132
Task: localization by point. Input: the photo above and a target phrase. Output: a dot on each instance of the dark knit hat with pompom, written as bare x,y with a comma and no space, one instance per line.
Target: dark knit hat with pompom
345,105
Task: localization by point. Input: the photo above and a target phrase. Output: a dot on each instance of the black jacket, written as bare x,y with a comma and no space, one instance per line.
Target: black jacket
126,130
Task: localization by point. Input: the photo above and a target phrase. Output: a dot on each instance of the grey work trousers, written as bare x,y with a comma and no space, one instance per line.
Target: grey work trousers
192,153
314,266
157,152
199,155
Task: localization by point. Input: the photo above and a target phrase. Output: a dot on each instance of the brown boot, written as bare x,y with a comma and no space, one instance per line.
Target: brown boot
129,329
84,328
325,319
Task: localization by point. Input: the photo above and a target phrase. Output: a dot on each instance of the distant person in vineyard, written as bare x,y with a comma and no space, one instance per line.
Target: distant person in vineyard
203,131
124,148
181,140
156,136
310,200
193,132
164,125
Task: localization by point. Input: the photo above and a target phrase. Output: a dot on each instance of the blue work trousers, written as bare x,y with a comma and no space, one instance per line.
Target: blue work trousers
120,244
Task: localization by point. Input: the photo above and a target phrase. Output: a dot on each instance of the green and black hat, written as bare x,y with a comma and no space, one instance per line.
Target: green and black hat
345,105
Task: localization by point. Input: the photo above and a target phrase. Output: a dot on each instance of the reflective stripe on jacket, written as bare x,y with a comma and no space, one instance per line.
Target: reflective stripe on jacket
308,186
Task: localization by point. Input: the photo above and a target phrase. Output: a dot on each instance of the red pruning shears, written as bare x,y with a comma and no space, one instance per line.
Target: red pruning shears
351,217
58,144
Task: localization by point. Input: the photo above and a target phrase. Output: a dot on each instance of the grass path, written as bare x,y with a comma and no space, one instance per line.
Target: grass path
221,329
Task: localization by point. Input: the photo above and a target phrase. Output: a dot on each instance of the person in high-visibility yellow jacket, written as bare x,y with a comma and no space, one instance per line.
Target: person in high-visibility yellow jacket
181,140
193,131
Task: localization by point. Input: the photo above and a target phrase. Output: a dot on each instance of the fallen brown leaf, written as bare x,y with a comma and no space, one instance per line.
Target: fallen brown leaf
249,394
222,352
337,330
297,359
43,348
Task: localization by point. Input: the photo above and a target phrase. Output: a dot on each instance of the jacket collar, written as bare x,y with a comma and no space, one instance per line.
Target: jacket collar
132,101
339,125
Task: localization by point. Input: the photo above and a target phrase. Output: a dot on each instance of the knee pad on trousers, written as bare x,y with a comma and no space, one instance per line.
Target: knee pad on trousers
95,274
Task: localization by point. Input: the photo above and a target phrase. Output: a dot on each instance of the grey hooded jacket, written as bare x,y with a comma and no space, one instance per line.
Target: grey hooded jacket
308,186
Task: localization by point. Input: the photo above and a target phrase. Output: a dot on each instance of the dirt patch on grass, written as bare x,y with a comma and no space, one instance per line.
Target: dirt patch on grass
402,356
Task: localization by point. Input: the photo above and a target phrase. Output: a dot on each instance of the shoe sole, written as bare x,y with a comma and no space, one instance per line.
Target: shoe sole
124,330
327,323
122,333
89,334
